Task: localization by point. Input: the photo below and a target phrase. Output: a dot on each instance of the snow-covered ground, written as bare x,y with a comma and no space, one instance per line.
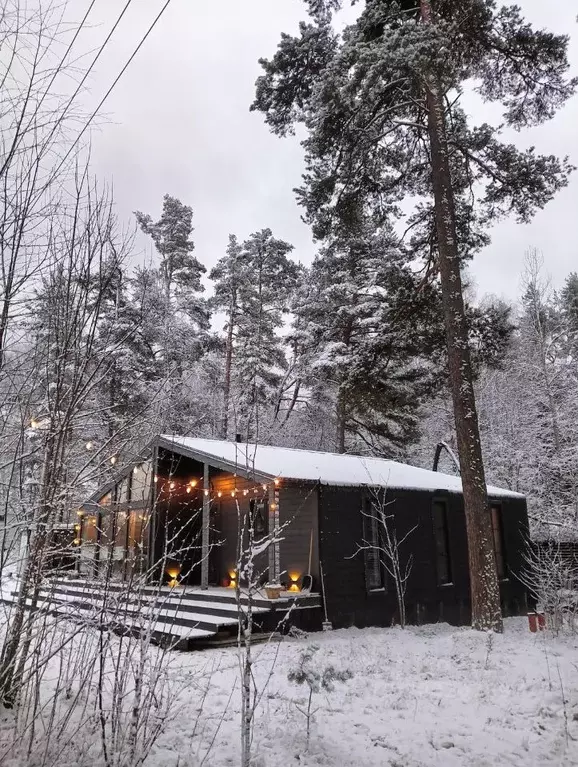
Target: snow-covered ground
431,695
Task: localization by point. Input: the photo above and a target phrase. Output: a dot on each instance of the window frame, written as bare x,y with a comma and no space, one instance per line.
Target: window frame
448,579
372,541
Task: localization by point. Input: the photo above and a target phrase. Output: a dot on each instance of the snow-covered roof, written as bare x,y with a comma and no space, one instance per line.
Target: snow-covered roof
326,468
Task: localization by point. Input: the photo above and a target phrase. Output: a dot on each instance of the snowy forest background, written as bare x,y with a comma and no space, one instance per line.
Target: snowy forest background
345,355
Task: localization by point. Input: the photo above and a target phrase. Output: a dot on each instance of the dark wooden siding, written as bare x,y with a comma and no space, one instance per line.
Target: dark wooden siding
226,519
298,508
348,600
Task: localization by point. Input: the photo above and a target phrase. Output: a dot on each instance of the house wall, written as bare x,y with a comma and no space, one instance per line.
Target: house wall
226,519
341,532
297,510
298,505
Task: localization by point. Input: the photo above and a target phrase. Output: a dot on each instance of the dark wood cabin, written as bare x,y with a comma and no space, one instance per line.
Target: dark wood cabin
174,515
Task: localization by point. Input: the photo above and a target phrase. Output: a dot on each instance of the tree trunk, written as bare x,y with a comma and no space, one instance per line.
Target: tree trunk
485,593
227,382
341,424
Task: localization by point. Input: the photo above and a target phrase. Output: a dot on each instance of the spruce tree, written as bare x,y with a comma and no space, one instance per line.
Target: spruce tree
368,335
381,104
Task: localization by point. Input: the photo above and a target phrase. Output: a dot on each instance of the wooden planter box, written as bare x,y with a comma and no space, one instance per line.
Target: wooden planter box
273,592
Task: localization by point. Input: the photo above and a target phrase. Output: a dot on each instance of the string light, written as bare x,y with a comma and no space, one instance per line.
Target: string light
189,485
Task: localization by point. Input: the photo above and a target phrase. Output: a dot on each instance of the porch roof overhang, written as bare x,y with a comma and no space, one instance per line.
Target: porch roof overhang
239,467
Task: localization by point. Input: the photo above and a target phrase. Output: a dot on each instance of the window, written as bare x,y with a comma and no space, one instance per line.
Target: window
374,575
123,490
141,483
259,516
442,542
496,513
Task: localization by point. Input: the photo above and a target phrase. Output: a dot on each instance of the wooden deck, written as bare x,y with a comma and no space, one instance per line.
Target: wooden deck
182,617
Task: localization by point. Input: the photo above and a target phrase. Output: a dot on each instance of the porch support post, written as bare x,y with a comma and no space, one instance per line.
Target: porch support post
205,529
274,548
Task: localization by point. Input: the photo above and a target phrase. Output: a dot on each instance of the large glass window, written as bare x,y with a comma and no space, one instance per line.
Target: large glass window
498,538
260,516
89,540
442,542
141,483
123,494
138,531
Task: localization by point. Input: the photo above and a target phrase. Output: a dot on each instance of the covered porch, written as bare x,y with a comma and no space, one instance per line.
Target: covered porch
177,518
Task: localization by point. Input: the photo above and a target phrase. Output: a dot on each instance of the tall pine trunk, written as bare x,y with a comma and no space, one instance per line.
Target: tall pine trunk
227,381
485,593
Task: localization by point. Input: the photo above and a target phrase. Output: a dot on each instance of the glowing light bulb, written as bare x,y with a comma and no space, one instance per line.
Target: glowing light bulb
194,483
113,459
172,485
155,478
277,481
89,445
264,487
188,489
206,492
233,493
219,494
245,492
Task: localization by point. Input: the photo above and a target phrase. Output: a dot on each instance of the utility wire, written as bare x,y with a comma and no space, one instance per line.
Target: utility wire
19,134
120,74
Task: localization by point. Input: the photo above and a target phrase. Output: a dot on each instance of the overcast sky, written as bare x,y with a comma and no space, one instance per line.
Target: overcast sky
180,123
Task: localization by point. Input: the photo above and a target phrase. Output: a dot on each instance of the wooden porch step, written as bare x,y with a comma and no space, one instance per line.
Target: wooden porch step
170,615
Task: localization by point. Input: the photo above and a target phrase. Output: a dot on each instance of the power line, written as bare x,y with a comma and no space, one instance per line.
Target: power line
19,133
118,77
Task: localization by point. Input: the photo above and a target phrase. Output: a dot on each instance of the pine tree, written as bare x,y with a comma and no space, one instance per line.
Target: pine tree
270,278
228,276
185,318
175,316
382,109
